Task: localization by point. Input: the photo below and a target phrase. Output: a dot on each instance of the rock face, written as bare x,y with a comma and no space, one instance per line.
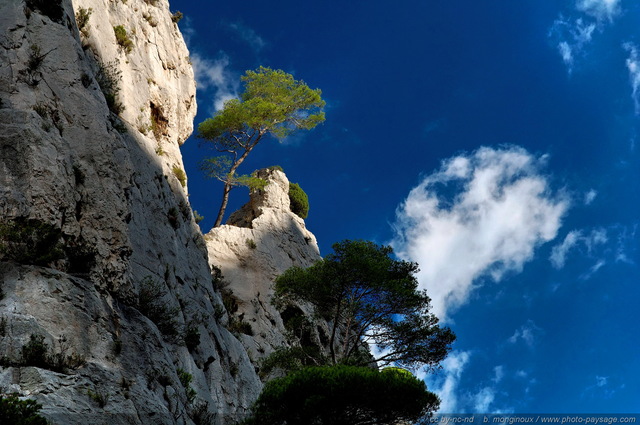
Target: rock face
259,242
108,305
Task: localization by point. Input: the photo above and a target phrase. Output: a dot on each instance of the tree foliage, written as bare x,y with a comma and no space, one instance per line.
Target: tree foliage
343,394
20,412
370,298
272,104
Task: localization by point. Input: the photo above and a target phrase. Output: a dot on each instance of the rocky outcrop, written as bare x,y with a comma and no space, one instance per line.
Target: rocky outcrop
259,242
108,303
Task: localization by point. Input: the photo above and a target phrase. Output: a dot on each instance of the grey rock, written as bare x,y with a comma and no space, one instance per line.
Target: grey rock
107,184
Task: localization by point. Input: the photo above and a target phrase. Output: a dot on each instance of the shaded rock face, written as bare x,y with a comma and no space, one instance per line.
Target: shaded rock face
259,242
125,303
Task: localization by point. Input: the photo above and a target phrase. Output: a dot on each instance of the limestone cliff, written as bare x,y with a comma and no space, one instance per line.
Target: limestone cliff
107,300
258,243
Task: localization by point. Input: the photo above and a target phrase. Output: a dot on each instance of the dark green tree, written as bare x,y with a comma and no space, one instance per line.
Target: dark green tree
272,104
343,395
369,298
20,412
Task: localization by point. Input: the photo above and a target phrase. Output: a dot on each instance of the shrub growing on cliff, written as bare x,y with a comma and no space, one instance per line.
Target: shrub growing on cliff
273,103
185,379
37,353
298,200
99,397
122,38
152,305
108,77
30,241
180,175
177,17
20,412
82,20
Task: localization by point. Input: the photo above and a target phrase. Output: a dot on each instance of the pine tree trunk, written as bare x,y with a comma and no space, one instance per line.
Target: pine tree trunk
223,207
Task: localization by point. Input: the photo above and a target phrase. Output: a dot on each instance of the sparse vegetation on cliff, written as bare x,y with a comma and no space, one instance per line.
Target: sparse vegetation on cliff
30,241
122,38
82,20
177,17
108,78
180,175
152,304
38,353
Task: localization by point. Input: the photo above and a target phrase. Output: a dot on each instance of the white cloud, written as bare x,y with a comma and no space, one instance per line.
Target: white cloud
483,399
498,372
481,214
603,388
559,252
590,196
526,333
626,244
215,75
571,38
593,270
187,30
256,42
566,52
575,239
445,382
599,9
522,374
633,66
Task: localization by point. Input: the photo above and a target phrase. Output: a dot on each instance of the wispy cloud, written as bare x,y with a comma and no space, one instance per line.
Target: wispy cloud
601,381
590,196
481,214
571,37
445,382
633,66
527,333
626,244
602,388
615,244
248,35
498,374
576,239
188,31
215,75
599,9
483,399
593,270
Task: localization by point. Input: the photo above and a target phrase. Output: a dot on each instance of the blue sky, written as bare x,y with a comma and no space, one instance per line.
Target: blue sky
493,142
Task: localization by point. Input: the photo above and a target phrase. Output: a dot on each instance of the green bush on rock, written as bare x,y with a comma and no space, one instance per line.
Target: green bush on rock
30,241
299,201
